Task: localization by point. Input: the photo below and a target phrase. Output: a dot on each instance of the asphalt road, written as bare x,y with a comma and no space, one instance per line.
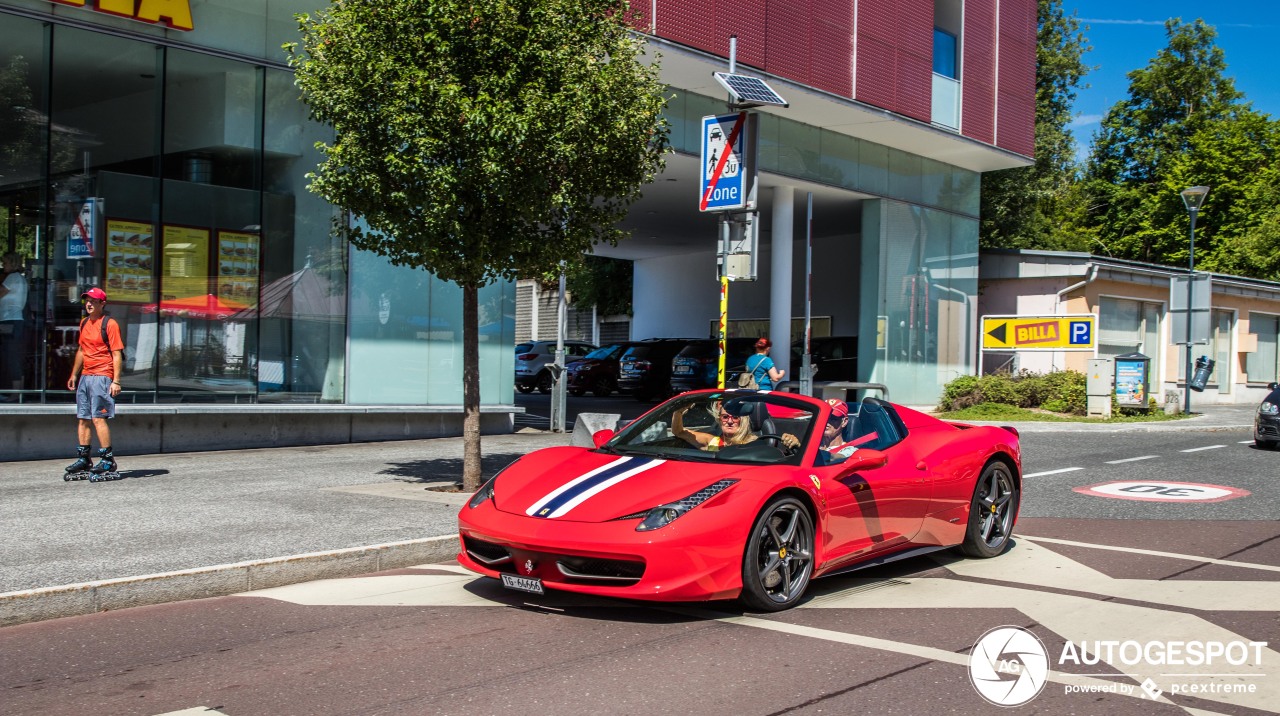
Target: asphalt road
1085,569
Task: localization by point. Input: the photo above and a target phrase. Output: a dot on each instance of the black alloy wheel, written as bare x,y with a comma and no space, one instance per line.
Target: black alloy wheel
991,513
778,560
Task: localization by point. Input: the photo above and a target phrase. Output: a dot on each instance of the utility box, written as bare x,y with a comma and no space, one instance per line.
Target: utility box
1133,381
1098,387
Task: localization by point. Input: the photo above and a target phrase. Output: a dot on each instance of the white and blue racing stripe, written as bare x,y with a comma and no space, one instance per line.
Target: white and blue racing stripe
578,490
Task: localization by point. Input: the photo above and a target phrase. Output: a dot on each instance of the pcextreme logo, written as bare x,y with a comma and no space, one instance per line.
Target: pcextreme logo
170,13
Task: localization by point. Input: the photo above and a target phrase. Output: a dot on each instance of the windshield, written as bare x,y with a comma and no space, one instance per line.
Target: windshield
730,426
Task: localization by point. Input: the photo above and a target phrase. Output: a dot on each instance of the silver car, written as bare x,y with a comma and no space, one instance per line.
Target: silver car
533,359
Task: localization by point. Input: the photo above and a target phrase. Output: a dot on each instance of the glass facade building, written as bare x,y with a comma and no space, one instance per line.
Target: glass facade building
169,168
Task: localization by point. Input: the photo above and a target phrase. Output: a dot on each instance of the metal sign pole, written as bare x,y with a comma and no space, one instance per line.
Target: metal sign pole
559,399
806,361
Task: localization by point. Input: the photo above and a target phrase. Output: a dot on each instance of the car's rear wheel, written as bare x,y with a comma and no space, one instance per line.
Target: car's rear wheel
544,382
778,560
991,513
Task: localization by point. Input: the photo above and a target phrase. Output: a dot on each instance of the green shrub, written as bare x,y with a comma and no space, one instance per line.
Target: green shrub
1060,391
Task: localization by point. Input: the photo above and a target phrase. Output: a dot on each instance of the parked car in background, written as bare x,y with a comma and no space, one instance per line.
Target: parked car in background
533,359
1266,426
644,371
597,371
696,365
835,357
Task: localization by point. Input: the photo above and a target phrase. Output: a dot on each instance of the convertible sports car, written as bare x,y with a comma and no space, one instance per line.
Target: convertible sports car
731,494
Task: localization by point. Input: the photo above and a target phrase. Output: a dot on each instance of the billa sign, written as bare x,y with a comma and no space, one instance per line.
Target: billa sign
175,14
1039,333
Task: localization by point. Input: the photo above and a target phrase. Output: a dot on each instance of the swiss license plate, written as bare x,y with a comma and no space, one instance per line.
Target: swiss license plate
522,584
683,369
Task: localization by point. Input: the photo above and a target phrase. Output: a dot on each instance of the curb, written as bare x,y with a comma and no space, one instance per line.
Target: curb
68,600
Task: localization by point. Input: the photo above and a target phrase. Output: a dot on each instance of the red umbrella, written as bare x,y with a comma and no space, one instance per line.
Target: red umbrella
206,306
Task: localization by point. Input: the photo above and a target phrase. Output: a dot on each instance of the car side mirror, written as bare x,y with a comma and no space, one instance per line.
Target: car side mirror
1273,386
600,437
863,459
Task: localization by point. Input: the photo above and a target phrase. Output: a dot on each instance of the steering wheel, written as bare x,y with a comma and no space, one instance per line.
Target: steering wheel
777,442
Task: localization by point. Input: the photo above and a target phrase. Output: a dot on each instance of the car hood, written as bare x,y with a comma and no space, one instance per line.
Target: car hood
582,485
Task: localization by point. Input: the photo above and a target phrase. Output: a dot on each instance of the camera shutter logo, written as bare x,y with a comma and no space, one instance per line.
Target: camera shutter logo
1008,666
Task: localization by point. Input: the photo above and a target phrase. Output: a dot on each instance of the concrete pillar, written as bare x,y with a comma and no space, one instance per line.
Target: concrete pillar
781,245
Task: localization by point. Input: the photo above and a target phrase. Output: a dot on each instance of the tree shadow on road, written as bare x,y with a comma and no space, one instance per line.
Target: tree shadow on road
449,468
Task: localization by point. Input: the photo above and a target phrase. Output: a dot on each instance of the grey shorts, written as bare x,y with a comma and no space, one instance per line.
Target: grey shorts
93,398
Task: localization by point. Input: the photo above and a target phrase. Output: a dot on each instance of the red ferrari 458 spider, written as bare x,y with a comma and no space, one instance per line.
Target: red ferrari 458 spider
736,494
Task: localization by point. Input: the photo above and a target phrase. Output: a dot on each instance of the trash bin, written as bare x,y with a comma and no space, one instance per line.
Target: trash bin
1204,369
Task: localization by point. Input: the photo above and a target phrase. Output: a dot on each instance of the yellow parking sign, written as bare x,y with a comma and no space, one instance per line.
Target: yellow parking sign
1039,333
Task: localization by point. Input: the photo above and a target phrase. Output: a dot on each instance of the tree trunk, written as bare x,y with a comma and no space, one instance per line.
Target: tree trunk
471,473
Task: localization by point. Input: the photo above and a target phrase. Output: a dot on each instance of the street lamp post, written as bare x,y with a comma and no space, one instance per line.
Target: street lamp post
1193,197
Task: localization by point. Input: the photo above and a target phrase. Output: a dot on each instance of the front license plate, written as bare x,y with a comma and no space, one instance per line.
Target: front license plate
522,584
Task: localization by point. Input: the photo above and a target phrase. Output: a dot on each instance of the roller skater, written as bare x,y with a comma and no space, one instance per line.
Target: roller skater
95,380
106,469
79,470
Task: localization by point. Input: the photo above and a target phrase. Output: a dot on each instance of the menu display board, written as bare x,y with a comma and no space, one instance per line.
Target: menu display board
237,277
129,257
186,262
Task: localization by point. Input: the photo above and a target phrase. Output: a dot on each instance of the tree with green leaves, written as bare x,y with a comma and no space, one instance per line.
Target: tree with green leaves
481,139
1024,207
1176,105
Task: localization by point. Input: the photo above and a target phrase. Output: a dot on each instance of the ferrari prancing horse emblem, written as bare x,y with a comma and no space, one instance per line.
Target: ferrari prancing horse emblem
528,566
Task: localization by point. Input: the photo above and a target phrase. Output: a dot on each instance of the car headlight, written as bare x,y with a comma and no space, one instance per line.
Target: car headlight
486,490
1269,408
663,515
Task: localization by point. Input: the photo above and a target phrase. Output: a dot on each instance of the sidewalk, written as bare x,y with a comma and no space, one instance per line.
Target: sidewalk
242,519
185,511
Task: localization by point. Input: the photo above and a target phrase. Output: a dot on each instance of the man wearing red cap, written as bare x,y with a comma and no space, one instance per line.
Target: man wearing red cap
95,379
833,449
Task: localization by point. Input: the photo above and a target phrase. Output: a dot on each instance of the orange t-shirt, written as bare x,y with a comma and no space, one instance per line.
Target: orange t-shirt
97,358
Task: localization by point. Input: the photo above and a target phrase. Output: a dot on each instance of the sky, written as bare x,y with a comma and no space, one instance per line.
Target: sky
1126,35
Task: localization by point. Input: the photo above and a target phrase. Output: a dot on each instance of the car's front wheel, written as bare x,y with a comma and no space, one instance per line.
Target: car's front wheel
778,560
1265,444
602,387
991,513
524,388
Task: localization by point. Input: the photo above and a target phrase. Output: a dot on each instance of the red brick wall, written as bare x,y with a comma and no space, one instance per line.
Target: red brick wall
978,71
814,42
1015,90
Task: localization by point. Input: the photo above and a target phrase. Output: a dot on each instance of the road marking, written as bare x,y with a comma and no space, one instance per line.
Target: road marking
1153,553
1246,442
1132,459
1208,447
1053,472
1064,596
194,711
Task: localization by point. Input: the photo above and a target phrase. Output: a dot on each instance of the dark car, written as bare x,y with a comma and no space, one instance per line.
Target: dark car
834,357
597,371
644,370
696,365
1266,426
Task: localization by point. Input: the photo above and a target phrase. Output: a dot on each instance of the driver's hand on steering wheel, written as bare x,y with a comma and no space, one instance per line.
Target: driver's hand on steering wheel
789,441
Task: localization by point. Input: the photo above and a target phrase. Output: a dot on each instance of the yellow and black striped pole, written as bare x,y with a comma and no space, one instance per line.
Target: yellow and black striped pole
724,313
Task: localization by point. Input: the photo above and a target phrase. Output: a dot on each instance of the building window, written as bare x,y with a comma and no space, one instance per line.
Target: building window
944,53
1263,364
1127,326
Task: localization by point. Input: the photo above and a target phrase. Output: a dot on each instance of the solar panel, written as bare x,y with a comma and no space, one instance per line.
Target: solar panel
748,91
